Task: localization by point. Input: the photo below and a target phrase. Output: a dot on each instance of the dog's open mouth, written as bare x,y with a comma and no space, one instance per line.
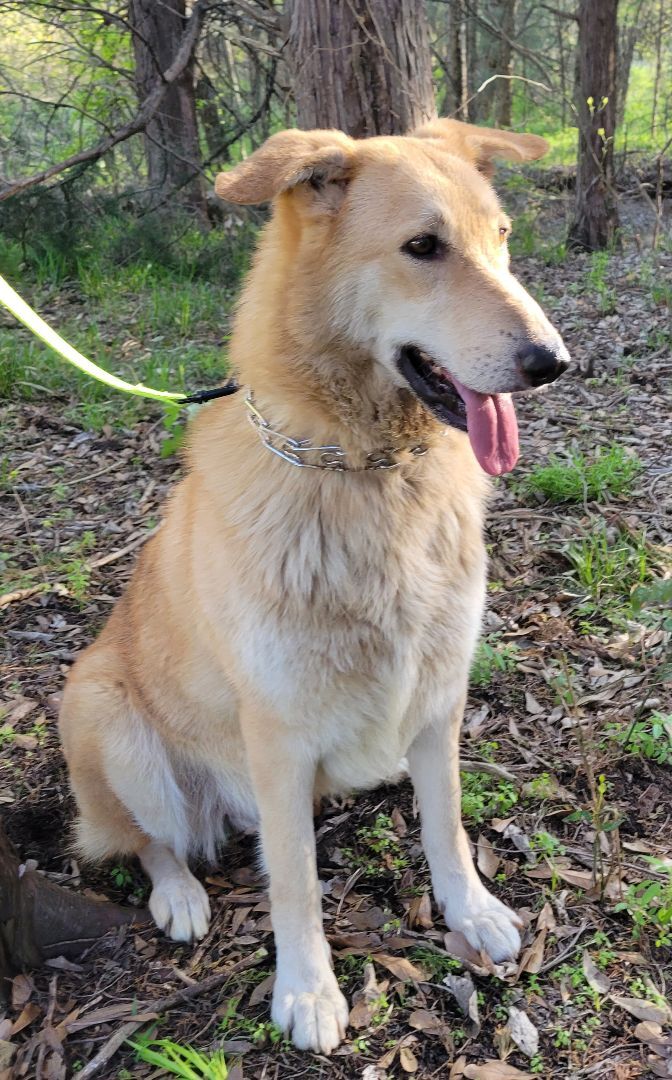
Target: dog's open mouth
489,419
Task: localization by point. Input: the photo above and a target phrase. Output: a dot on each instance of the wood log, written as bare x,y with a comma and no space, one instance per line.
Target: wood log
40,920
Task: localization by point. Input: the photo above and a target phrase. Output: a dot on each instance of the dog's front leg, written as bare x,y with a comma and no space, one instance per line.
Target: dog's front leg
466,904
307,1001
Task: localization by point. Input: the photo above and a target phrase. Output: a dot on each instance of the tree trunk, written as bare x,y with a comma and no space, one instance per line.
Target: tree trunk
363,66
596,215
40,920
659,66
171,136
503,87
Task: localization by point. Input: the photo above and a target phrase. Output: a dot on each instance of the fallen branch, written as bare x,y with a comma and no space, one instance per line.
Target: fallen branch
488,767
187,993
32,590
138,123
40,920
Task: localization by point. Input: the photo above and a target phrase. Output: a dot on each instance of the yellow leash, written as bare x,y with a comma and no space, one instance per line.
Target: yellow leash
25,314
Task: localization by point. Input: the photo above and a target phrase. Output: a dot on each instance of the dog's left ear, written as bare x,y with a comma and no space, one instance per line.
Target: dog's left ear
318,163
481,146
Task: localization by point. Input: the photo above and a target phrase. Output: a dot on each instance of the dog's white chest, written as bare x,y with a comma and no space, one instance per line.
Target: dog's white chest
365,633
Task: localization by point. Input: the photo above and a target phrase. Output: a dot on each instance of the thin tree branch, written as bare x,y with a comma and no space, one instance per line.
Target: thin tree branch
139,121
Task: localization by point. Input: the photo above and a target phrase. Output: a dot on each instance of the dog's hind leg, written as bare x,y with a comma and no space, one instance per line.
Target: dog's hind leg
179,904
434,765
128,799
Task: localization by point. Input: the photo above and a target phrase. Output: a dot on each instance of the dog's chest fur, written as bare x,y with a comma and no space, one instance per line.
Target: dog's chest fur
357,603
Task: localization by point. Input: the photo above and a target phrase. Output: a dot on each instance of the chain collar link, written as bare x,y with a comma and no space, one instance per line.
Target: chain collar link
332,458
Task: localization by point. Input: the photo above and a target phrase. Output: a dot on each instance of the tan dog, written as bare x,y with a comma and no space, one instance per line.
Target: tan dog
293,631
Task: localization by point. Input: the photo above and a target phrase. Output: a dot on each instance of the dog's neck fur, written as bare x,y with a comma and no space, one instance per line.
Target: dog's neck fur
307,381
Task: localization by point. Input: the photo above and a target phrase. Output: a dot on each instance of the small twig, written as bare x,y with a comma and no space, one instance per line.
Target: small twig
561,957
105,560
120,1036
487,767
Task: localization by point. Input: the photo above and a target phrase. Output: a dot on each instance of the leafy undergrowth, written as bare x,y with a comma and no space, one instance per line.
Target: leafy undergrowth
567,746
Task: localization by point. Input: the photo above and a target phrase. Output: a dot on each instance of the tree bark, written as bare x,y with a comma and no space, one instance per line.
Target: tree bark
503,87
171,136
363,66
40,920
595,222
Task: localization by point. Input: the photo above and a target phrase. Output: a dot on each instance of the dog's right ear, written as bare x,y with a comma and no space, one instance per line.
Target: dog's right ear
321,160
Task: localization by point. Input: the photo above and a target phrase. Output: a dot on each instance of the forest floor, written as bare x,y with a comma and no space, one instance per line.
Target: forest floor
569,725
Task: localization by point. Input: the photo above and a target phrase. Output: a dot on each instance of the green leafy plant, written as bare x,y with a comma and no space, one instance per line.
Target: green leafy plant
121,876
650,738
610,474
379,850
493,657
649,904
597,282
483,798
182,1061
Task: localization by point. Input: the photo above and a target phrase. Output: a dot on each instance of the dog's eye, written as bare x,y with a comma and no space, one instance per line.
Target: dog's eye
426,246
504,233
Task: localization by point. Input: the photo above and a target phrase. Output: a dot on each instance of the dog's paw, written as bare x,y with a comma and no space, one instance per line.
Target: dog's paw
314,1017
487,924
180,907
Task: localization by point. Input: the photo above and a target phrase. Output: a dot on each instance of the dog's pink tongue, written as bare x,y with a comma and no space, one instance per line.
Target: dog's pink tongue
492,428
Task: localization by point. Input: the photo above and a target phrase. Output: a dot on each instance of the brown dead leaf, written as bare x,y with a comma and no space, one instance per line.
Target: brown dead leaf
654,1037
457,1068
369,919
659,1067
407,1059
420,912
30,1012
594,977
22,988
7,1051
580,879
262,990
424,1020
522,1032
488,862
400,967
546,919
463,990
20,708
533,957
532,705
25,742
495,1070
399,823
457,945
643,1009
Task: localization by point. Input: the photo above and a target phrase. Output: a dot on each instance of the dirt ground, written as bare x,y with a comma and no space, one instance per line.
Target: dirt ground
564,817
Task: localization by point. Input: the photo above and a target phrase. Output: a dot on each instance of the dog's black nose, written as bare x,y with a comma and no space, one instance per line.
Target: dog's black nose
540,365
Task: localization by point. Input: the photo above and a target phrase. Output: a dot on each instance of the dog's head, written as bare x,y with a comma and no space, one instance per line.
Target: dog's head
405,245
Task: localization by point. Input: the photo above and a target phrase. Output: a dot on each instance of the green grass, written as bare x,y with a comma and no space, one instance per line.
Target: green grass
146,301
610,474
493,657
182,1061
609,564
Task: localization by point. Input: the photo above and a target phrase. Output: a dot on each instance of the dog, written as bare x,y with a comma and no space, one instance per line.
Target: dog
307,613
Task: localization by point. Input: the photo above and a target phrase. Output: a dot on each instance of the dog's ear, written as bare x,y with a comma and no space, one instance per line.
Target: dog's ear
320,161
480,145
